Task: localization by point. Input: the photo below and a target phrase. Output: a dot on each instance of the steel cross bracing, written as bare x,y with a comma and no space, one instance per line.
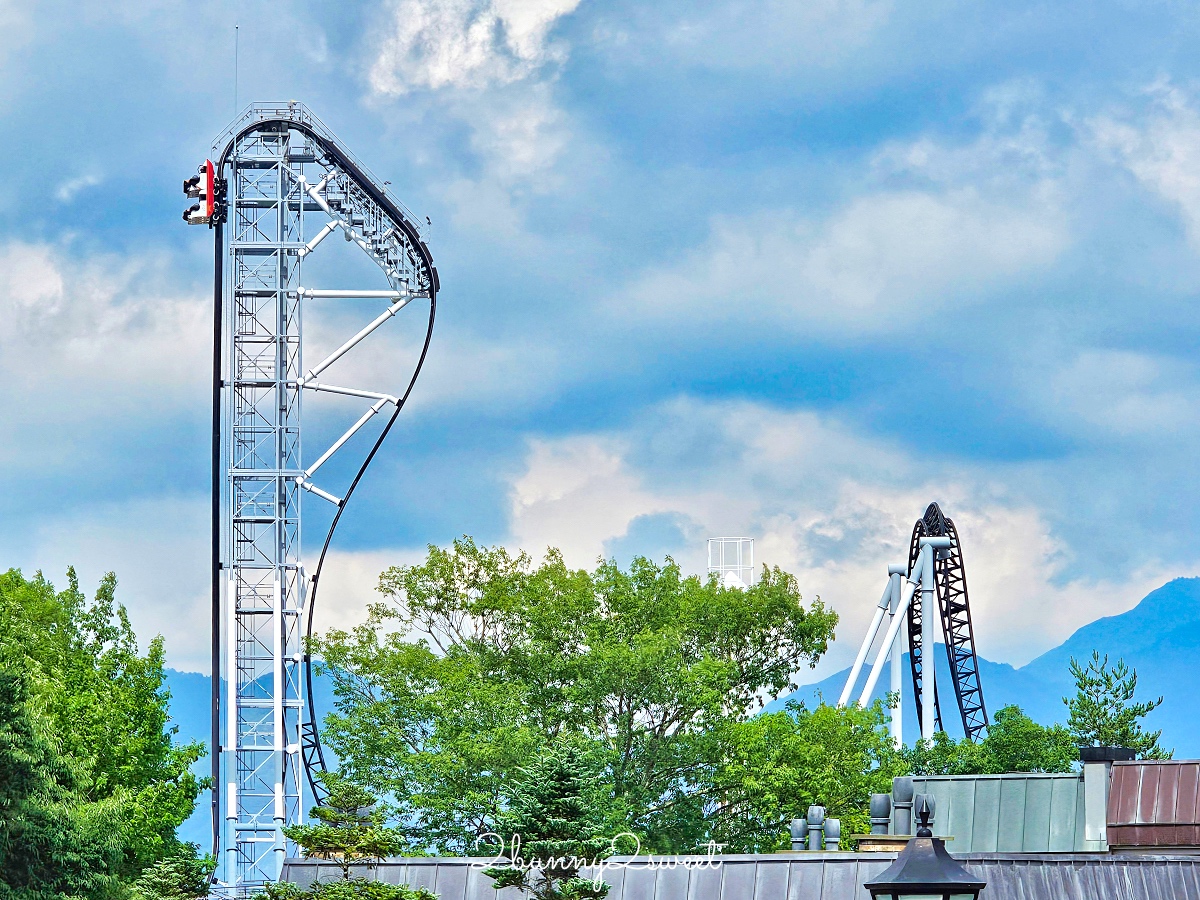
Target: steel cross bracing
934,574
290,185
954,605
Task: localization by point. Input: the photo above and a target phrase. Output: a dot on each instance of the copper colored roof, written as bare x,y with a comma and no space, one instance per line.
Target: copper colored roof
1154,803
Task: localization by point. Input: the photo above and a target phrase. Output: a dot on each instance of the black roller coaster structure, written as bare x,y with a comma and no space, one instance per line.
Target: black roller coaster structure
955,608
936,574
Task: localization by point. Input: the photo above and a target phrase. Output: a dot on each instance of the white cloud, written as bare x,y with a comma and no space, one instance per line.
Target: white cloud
68,189
1119,393
929,225
159,549
880,262
771,36
348,584
1161,148
830,505
465,43
96,319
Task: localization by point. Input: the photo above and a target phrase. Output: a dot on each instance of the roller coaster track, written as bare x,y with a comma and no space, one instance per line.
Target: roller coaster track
954,606
285,141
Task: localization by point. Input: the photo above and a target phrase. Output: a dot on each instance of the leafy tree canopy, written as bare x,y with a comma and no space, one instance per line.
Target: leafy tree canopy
1103,712
183,877
774,766
104,764
479,658
1014,743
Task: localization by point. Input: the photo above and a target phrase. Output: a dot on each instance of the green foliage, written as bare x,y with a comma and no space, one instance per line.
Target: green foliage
1014,743
480,659
97,786
183,877
344,889
551,828
773,767
50,844
349,830
1102,712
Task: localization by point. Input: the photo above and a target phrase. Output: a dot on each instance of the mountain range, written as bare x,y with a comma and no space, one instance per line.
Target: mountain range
1160,638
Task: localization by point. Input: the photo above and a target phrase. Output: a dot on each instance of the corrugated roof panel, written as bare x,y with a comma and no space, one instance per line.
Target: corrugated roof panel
422,877
737,881
1011,833
804,881
985,817
1148,793
706,882
672,884
958,800
451,882
639,884
1064,820
1185,805
1019,812
841,878
1168,792
825,876
770,882
1038,792
1154,803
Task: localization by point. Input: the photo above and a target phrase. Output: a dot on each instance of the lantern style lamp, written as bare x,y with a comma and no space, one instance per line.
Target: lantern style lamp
925,871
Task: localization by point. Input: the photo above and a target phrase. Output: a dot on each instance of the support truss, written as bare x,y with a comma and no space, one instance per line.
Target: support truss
290,185
957,630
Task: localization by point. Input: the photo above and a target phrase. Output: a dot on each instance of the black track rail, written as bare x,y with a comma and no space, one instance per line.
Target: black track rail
314,758
950,576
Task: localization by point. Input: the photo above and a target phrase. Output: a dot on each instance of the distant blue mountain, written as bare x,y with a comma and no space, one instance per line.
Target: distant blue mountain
1160,637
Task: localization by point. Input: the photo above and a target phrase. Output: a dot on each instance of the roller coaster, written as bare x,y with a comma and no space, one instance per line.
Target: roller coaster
934,572
278,184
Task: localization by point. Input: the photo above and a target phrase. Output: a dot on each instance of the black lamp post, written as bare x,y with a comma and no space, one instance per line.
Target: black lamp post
925,871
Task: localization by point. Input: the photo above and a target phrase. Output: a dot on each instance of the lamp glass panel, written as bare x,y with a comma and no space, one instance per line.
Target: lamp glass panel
938,896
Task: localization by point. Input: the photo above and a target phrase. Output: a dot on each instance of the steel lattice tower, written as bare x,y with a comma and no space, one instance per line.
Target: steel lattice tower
280,184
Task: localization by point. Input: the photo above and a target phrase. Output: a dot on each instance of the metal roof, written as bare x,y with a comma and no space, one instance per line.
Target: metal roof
816,876
1154,803
1018,813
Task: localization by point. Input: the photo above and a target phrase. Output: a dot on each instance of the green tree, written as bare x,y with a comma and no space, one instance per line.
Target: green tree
104,708
183,877
551,829
52,843
478,659
774,766
349,828
1014,743
1103,712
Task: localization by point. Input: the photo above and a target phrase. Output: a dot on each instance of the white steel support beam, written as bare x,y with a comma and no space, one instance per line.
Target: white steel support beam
929,547
349,392
868,641
356,340
889,639
349,294
350,432
896,724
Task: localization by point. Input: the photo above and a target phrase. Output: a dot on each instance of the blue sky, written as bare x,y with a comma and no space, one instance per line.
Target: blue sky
789,270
